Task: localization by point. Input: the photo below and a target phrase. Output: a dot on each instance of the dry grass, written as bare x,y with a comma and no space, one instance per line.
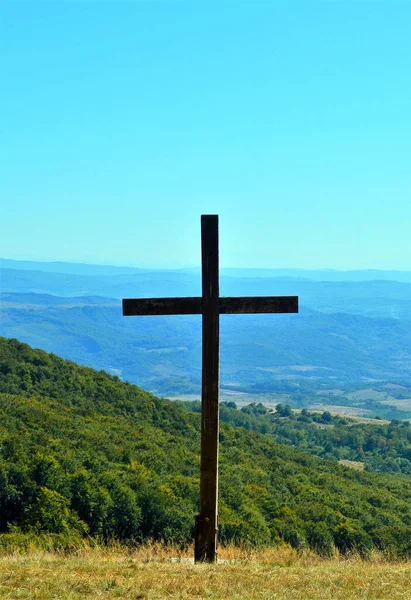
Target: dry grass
275,574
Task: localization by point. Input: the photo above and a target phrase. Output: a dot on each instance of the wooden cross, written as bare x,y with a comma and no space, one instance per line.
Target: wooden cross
210,306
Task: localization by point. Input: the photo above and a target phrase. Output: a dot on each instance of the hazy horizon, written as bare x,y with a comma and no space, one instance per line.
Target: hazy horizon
189,268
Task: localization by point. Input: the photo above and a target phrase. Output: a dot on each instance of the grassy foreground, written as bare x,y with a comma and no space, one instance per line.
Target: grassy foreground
149,573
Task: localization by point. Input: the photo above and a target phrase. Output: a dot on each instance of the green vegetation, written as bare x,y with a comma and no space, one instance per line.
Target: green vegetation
380,447
387,398
84,454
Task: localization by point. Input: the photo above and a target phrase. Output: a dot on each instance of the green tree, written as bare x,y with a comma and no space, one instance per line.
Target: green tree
50,513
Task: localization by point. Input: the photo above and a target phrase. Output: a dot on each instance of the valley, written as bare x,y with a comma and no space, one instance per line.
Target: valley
347,351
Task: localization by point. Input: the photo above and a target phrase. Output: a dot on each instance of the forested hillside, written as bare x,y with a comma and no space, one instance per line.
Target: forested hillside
82,452
376,446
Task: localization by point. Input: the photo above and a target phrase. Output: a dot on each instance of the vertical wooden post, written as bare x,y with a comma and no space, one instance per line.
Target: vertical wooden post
207,521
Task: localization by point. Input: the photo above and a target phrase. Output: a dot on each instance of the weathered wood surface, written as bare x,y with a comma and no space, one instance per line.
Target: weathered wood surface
162,306
258,304
194,306
206,524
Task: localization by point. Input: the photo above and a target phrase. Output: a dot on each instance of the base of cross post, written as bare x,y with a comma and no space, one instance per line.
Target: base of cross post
206,539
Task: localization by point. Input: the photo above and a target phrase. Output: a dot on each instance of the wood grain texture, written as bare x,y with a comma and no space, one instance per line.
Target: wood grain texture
258,304
161,306
206,525
194,306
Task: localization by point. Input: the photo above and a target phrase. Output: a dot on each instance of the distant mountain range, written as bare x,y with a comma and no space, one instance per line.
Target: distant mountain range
346,331
314,274
375,298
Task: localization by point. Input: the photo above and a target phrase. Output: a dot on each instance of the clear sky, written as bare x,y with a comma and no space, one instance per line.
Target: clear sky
122,122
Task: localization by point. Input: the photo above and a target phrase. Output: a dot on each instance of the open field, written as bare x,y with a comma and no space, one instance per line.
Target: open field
279,574
354,464
320,401
404,404
270,400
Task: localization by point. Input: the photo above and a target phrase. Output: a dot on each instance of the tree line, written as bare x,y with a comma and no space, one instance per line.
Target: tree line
381,447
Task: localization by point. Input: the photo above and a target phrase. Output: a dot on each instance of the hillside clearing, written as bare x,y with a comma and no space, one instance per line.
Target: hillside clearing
273,574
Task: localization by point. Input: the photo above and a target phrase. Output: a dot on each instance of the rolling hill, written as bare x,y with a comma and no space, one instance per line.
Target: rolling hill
164,353
82,453
351,338
377,297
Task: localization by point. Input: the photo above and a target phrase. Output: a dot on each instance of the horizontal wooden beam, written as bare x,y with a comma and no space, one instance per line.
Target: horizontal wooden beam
161,306
259,304
193,306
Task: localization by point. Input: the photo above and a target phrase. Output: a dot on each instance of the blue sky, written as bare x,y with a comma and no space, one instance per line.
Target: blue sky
122,122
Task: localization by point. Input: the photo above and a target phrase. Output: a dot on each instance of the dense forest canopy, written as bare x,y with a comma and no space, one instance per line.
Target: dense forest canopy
83,453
